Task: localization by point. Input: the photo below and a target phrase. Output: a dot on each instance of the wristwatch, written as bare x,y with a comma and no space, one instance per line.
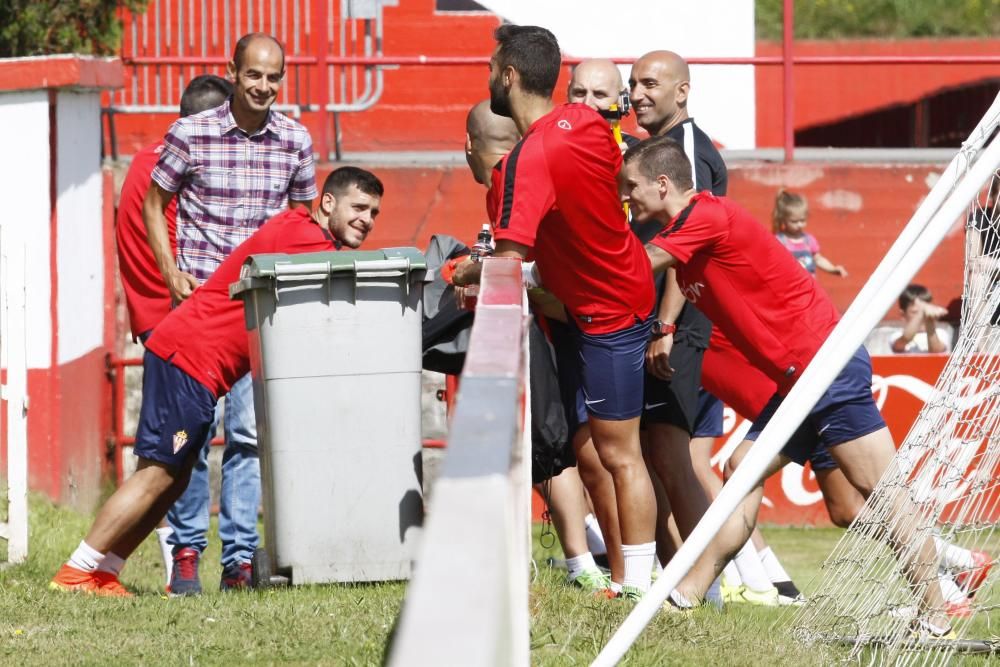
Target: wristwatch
661,328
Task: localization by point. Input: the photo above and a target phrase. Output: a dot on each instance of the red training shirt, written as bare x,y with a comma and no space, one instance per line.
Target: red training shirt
146,295
206,336
560,196
751,288
728,375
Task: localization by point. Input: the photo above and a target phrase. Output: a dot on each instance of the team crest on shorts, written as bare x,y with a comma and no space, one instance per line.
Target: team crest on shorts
180,439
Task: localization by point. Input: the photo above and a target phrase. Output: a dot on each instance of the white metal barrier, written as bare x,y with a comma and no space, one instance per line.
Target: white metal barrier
14,390
468,601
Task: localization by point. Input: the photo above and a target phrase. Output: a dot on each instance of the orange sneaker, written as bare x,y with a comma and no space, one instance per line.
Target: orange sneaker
109,586
605,594
69,578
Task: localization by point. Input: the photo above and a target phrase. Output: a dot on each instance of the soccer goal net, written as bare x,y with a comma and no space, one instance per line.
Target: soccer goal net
949,467
961,194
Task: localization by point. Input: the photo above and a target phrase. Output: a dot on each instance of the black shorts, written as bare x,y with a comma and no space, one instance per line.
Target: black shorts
675,401
551,441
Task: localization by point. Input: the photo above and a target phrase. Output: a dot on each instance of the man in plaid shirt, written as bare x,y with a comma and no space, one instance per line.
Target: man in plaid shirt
231,169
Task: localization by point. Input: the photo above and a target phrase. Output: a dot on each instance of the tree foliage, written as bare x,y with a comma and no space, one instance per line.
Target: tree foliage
40,27
886,19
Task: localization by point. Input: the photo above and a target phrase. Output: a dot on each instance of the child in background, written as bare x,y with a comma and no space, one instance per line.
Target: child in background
789,224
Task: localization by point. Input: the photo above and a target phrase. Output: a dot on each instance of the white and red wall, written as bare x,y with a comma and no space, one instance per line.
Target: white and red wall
55,193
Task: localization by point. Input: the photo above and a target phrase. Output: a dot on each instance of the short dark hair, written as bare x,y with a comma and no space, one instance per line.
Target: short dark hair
203,93
914,292
662,155
244,43
533,52
341,179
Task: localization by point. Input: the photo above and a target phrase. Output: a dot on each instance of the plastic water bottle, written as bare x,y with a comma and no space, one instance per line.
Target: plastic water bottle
484,244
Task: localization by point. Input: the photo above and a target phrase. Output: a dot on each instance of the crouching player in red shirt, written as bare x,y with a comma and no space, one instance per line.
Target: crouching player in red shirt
559,201
193,357
775,315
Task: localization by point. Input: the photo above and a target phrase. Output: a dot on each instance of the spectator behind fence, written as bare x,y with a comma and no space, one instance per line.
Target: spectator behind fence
921,330
791,211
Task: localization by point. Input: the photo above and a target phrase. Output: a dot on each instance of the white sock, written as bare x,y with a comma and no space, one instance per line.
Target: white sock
580,563
950,590
751,571
85,558
732,575
595,538
772,566
680,600
638,564
112,563
714,594
952,557
166,549
615,587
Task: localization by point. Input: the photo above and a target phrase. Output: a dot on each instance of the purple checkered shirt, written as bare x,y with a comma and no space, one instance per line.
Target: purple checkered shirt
229,183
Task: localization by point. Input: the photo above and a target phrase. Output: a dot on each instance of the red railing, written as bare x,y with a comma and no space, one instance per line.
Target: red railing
318,34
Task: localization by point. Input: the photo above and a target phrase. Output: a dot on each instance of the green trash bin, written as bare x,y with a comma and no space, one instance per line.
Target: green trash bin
335,352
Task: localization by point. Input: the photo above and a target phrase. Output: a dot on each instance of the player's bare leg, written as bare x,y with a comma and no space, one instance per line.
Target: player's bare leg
671,458
746,578
124,511
734,532
667,537
843,501
131,540
568,507
617,445
864,460
601,488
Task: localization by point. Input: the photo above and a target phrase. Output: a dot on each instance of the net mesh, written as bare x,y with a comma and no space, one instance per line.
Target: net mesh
936,509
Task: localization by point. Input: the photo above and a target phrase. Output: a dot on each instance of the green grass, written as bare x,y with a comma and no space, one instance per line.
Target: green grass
349,625
881,19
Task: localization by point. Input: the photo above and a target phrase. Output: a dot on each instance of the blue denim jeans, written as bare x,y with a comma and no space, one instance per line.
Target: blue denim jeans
240,495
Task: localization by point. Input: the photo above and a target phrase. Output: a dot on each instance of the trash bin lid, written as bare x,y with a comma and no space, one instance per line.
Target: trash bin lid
264,270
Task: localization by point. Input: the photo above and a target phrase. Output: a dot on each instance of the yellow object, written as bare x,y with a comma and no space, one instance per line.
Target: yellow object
616,128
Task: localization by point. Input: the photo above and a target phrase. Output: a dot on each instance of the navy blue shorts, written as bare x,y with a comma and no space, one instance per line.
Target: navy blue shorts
820,459
845,412
708,422
612,369
176,415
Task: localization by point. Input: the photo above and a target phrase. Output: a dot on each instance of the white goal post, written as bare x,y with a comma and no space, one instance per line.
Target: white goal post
946,203
14,391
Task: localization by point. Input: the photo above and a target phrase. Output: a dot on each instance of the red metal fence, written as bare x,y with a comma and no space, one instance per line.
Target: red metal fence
336,60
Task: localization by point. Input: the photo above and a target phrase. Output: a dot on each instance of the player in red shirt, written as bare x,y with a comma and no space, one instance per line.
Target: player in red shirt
777,317
559,202
146,295
193,357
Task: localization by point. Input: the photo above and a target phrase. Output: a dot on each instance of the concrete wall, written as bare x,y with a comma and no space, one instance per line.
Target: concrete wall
55,193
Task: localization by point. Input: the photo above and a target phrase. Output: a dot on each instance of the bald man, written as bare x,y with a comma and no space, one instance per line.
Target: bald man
596,83
659,87
658,90
488,137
